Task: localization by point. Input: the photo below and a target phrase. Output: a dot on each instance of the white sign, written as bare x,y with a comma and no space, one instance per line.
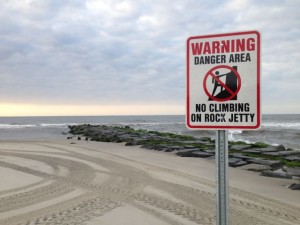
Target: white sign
223,81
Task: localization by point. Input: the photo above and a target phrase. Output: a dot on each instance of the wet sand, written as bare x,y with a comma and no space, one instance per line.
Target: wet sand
77,182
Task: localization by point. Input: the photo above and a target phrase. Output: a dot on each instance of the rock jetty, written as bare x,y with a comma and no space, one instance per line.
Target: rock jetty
272,161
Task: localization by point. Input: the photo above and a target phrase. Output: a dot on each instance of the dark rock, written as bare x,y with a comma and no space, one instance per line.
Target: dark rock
189,146
131,143
268,149
193,142
240,156
189,142
255,167
294,186
252,151
198,142
236,162
198,154
210,151
188,150
233,161
206,139
239,147
211,157
282,153
201,154
69,137
292,171
78,138
173,148
272,149
169,150
281,148
275,164
240,163
184,153
125,136
209,145
161,147
293,158
138,139
260,145
276,174
86,138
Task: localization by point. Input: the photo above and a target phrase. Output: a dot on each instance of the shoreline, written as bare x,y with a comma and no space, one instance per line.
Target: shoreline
274,127
110,183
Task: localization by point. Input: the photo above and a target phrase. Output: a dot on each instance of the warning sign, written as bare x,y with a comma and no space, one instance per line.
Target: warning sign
223,81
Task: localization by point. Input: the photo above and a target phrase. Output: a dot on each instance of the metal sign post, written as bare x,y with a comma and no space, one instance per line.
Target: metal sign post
223,92
222,196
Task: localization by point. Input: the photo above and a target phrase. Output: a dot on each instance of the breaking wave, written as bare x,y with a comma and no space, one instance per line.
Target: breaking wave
281,125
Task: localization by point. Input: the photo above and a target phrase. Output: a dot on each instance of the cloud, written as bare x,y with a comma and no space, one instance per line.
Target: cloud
132,52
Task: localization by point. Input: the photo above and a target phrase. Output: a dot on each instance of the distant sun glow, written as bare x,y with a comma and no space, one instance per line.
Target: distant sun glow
86,110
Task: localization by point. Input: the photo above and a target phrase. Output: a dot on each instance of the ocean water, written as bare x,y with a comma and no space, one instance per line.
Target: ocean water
276,129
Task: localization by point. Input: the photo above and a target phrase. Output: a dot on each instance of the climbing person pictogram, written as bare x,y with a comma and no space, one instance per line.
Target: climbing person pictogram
222,90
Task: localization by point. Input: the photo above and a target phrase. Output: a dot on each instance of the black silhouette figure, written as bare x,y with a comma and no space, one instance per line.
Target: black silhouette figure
230,82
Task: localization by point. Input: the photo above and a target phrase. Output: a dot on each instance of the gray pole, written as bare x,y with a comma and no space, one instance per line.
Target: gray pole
222,197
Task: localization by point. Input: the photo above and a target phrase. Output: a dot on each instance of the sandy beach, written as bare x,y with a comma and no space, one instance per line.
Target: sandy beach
78,182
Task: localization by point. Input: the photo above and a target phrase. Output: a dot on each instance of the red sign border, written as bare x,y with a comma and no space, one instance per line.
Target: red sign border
258,108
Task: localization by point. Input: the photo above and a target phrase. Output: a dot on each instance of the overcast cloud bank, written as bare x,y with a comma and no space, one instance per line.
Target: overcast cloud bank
133,52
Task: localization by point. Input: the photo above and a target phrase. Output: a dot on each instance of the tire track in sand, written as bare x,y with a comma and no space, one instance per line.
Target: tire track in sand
126,184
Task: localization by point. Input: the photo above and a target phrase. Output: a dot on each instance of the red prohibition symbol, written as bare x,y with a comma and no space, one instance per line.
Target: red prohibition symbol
229,89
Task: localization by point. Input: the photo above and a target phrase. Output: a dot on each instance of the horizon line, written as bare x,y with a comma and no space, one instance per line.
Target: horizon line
125,115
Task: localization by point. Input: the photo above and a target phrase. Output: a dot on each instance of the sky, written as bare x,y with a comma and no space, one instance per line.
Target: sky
128,57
